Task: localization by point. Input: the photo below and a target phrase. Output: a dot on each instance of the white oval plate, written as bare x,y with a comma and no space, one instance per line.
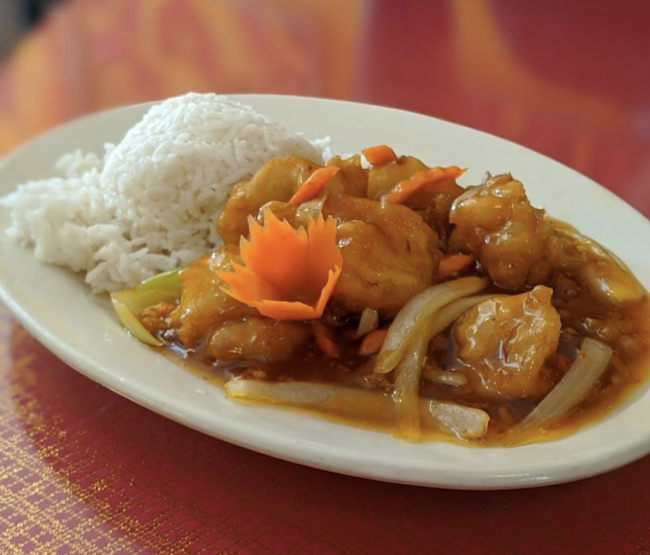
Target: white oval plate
81,329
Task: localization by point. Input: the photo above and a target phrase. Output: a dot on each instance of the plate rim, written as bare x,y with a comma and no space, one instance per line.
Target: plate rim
249,439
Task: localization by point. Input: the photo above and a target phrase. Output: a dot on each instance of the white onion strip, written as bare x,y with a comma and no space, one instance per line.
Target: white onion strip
416,313
408,372
290,393
335,401
459,420
587,368
451,312
406,391
368,322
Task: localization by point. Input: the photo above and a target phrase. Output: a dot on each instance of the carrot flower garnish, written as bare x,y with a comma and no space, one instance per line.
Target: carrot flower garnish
289,274
405,189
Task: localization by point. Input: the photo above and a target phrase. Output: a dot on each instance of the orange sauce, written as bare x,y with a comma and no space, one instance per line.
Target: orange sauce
368,405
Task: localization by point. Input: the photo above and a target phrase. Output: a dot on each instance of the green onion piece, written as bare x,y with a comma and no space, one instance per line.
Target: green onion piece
129,303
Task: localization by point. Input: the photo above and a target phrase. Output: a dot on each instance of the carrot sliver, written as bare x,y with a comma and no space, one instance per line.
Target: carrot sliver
325,340
406,188
315,183
453,263
372,342
379,155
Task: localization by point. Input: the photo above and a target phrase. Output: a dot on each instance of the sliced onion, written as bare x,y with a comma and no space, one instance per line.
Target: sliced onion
133,325
451,312
289,393
408,371
459,420
417,312
337,401
165,287
573,388
607,277
368,322
127,304
611,283
340,401
311,209
444,377
406,391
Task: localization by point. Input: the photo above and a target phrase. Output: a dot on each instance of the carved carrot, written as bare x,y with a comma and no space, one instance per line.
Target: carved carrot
288,274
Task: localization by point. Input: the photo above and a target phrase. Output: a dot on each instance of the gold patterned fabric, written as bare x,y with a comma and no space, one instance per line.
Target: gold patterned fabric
85,471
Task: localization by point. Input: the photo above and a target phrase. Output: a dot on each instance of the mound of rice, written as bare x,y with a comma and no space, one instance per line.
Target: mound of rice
150,203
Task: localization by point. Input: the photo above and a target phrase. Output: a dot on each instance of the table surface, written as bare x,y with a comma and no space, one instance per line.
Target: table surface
83,470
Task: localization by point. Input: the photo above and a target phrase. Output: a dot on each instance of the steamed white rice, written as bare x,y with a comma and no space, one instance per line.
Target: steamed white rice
149,204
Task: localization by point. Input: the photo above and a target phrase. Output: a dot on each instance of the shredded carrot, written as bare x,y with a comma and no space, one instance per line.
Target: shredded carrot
315,183
325,340
404,189
288,274
372,342
452,264
379,155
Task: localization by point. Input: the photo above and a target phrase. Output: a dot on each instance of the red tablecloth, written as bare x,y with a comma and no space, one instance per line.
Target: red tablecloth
83,470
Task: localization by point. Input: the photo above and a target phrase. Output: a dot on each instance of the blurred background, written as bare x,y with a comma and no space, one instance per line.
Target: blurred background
16,17
568,79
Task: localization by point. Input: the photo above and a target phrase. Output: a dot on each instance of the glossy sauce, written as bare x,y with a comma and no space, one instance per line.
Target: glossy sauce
389,253
369,404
